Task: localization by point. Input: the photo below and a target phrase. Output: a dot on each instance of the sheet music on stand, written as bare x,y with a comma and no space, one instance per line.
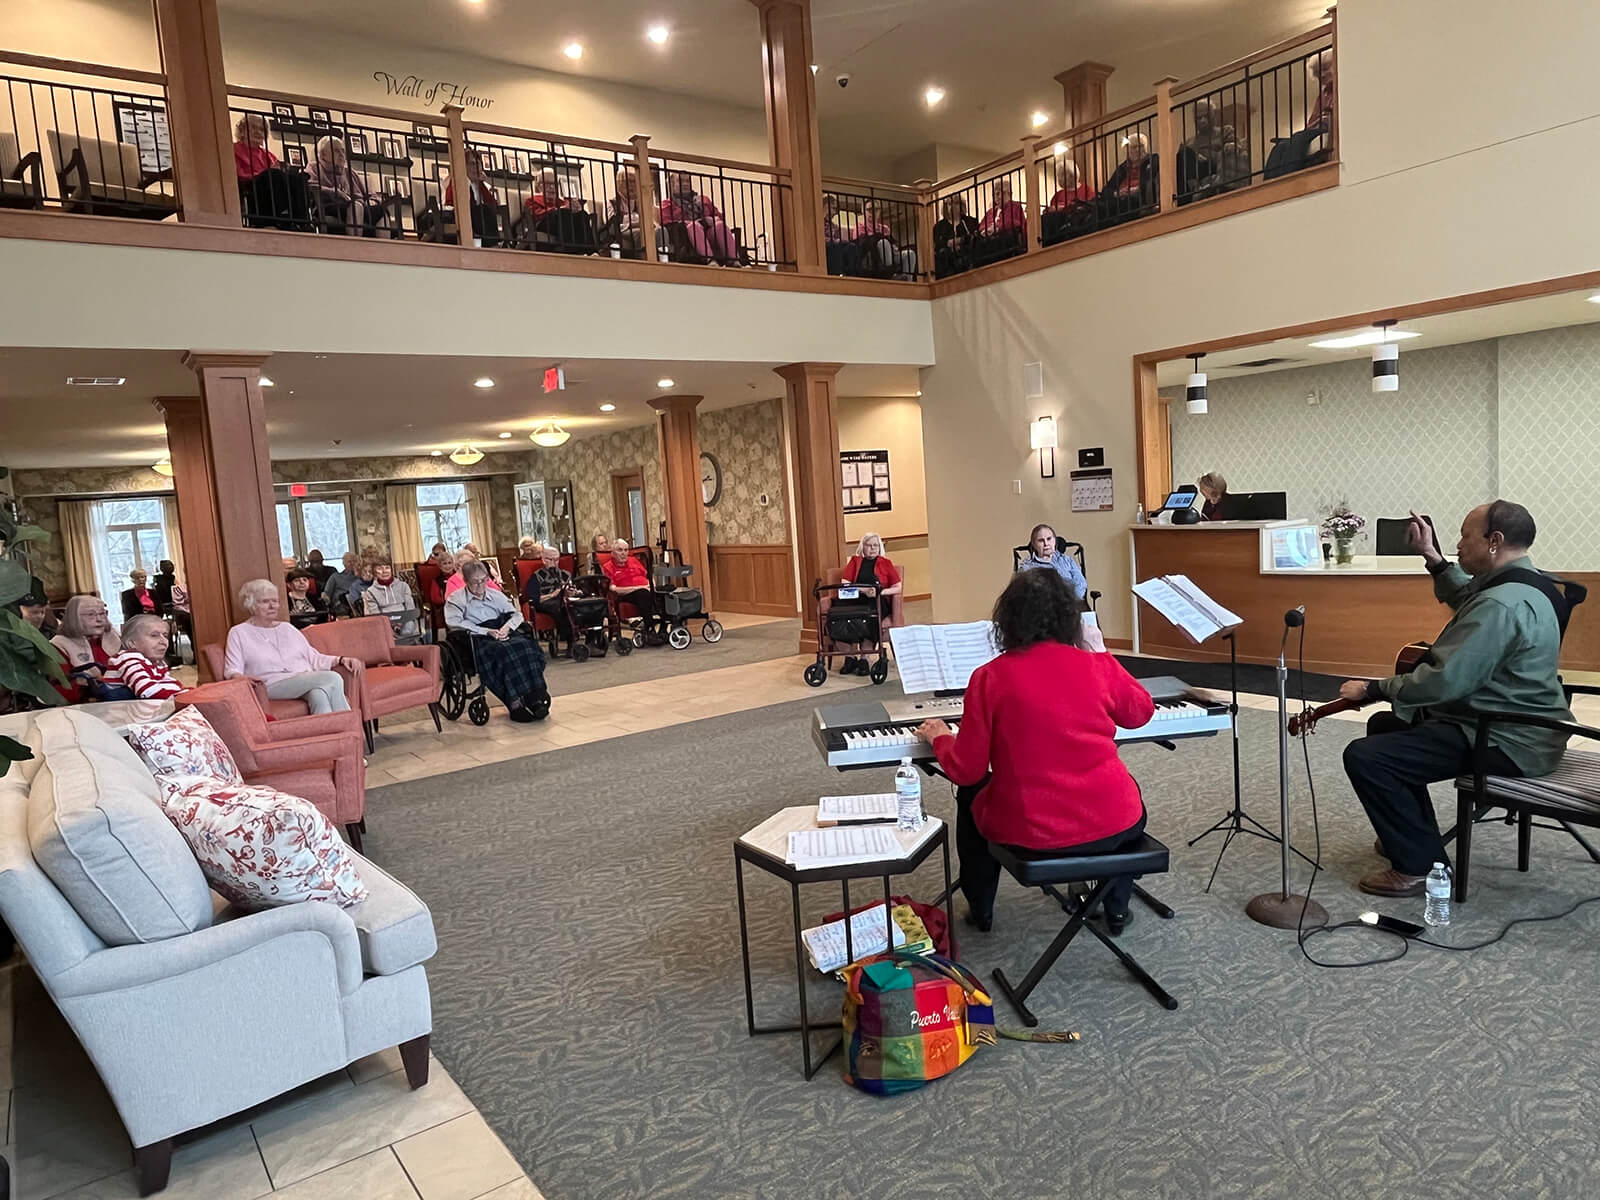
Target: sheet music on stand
1177,599
939,658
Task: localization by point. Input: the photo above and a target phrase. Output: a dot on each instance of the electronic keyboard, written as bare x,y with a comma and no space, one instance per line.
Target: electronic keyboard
881,734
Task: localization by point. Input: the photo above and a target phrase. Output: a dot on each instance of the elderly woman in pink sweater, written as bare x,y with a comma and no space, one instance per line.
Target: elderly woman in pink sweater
278,654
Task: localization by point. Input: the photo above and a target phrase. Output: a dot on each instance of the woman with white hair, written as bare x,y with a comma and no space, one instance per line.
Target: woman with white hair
871,571
278,654
511,667
88,644
344,192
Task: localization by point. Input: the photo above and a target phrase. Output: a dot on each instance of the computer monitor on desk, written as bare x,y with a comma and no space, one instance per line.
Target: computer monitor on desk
1255,506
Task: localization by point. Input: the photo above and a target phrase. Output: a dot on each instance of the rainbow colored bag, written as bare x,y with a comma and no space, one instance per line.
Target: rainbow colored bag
912,1018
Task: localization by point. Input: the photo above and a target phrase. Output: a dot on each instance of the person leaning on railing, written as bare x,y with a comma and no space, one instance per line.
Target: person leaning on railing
707,233
953,235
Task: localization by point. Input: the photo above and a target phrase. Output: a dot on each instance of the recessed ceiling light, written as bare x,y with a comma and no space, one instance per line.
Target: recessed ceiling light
932,96
1059,149
1039,118
608,408
484,382
319,356
813,68
504,434
573,50
658,34
436,453
1369,337
666,383
265,382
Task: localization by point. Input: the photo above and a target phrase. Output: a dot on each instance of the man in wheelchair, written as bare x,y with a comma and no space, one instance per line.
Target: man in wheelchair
507,656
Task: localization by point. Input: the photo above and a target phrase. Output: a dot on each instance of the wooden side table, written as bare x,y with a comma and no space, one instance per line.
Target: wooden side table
766,846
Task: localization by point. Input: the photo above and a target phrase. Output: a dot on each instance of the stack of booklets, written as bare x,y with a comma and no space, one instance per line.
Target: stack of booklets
825,943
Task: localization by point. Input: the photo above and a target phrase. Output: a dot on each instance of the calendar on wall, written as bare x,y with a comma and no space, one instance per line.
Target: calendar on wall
1092,490
864,476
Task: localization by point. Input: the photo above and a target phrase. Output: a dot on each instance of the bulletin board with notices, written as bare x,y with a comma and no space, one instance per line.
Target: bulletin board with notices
864,476
1092,490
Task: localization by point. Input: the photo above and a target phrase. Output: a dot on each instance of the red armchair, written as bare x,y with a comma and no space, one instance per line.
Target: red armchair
396,677
279,709
316,758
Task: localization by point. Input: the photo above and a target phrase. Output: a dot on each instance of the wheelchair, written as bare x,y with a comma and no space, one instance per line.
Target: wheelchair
461,687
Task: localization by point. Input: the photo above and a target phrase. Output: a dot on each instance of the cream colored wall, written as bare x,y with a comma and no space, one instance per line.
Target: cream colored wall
118,33
1410,224
894,424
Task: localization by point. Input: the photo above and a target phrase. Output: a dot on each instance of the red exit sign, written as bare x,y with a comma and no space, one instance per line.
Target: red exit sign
555,379
297,489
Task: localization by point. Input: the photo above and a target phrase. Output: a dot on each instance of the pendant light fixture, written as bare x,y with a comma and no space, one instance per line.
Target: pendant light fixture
466,456
1195,391
1385,361
548,434
164,467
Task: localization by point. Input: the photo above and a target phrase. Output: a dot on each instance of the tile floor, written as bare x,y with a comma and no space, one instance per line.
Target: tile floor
361,1132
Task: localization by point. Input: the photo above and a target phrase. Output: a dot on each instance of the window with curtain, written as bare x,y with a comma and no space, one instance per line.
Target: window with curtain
130,534
442,514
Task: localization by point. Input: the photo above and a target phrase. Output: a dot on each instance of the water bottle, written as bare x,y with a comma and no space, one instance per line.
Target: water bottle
908,793
1437,910
1138,514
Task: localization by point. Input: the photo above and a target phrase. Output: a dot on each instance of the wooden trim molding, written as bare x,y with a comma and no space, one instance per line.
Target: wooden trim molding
72,66
756,579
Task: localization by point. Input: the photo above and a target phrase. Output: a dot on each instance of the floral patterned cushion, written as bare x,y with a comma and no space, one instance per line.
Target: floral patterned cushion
184,744
260,847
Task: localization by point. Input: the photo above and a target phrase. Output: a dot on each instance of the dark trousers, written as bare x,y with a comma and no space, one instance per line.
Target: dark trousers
556,611
980,870
1391,769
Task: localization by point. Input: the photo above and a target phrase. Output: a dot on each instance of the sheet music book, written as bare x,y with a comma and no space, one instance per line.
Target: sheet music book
937,658
845,810
1196,614
840,844
825,943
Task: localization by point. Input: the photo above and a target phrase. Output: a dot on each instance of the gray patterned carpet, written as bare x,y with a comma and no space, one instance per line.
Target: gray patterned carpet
738,648
587,996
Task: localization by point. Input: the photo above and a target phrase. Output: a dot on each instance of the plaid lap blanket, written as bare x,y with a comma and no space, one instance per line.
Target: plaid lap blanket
512,669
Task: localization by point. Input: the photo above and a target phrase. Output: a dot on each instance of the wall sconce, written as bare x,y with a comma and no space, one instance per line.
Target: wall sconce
1385,362
1194,392
1042,437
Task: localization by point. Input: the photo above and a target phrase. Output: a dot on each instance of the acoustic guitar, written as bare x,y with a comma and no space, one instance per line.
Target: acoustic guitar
1411,656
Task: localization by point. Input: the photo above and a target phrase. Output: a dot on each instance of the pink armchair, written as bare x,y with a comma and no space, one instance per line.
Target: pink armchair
396,677
316,758
215,655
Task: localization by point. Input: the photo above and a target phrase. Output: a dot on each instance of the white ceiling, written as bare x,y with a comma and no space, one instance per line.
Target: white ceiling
1447,329
368,405
996,62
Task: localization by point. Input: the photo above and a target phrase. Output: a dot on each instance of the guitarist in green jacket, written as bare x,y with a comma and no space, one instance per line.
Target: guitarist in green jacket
1498,653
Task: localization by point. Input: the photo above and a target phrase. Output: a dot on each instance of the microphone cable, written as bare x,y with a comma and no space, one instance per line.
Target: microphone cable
1303,935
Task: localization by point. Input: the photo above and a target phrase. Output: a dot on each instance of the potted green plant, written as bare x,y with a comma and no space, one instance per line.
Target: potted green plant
28,663
1342,525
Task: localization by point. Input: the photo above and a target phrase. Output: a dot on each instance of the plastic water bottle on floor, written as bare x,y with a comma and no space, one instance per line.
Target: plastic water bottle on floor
1437,909
908,794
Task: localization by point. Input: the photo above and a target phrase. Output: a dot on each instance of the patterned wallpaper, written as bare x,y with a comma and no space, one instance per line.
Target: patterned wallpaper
588,463
1550,439
1431,446
748,444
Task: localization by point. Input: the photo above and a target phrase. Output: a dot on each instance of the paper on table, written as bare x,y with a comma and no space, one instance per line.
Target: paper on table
825,943
878,806
932,658
841,844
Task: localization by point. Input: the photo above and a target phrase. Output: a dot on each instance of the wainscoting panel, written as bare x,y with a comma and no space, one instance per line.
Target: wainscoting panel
754,579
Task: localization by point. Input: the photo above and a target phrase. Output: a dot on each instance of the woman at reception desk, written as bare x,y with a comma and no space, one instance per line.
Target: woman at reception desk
1358,614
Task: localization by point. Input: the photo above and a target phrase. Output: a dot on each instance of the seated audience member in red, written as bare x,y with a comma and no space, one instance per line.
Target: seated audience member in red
305,608
1035,763
139,598
143,661
250,154
440,585
870,568
629,580
1005,215
708,233
549,198
88,643
484,201
1071,190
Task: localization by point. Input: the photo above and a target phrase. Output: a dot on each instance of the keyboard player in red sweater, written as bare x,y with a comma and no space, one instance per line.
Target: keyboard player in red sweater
1035,763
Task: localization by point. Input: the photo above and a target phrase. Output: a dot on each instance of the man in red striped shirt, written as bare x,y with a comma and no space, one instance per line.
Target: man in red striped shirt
143,661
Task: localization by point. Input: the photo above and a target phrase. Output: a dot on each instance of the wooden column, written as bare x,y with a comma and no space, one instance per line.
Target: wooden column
197,111
460,181
1151,420
818,500
792,129
223,478
1083,92
645,184
1166,146
927,218
1030,192
680,476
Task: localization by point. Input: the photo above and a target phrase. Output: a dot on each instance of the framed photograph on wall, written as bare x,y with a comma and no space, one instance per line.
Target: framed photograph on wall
320,117
282,114
357,143
294,154
391,147
864,475
143,125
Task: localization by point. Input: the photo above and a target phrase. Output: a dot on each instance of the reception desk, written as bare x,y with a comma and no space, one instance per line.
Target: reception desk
1358,615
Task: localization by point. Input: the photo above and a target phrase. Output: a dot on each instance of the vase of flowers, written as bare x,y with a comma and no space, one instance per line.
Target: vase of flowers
1342,525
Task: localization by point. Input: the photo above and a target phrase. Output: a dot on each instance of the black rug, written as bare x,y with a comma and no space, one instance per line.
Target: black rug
1262,681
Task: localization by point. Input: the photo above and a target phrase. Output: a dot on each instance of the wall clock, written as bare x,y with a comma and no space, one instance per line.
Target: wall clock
710,478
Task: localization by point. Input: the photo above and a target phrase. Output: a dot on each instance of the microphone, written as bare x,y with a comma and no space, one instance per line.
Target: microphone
1295,617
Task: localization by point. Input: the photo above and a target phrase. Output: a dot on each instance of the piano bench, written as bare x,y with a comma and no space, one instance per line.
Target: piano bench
1147,857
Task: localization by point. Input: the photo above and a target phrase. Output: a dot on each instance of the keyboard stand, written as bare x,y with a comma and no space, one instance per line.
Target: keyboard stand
1235,821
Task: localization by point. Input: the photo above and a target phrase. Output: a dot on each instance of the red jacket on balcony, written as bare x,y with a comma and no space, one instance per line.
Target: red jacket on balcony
316,758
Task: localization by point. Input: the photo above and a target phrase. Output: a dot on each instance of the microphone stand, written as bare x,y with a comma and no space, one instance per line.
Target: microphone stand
1282,909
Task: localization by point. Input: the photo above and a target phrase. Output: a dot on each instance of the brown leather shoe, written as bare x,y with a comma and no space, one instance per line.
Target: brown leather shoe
1392,883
